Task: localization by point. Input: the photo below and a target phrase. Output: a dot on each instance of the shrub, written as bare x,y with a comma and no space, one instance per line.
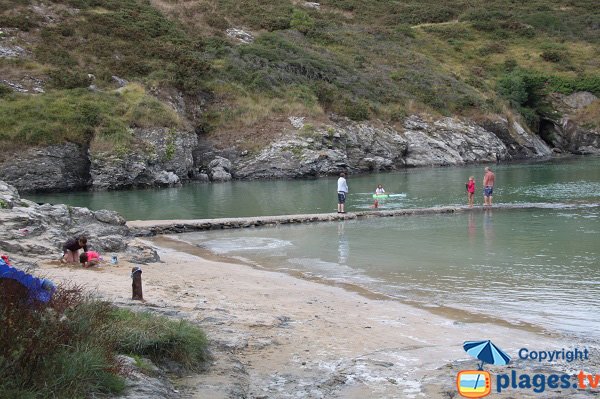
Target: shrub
159,338
5,91
68,348
512,87
301,21
552,56
357,110
68,79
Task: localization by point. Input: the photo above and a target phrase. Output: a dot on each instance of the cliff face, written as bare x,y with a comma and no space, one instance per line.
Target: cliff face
362,147
168,158
563,129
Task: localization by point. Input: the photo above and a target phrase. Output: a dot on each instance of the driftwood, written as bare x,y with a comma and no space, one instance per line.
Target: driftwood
136,285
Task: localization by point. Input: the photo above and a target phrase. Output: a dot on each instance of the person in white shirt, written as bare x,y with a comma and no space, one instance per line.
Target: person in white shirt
342,191
379,190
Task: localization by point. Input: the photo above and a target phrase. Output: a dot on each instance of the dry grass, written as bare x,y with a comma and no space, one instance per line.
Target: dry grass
590,115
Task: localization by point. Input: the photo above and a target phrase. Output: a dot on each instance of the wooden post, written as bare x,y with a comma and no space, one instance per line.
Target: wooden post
136,285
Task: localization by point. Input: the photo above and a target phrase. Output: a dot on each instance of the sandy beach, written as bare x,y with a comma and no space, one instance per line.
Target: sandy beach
275,335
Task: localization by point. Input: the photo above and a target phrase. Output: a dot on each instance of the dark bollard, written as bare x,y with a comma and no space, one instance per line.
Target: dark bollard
136,285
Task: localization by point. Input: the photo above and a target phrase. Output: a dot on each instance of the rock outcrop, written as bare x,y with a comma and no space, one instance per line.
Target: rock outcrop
29,229
61,167
562,129
164,157
160,157
362,147
219,169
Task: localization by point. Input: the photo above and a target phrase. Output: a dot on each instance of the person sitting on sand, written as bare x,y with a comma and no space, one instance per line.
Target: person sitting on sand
89,258
379,190
71,249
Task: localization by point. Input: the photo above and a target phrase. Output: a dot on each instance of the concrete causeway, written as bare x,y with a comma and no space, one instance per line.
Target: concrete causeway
146,228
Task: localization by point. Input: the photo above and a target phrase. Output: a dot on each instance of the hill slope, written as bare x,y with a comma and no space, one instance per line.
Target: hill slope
365,60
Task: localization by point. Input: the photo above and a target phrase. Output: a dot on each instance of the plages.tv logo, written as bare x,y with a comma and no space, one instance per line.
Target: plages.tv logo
478,383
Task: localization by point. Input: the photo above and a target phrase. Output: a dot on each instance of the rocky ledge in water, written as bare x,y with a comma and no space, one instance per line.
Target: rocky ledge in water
362,147
32,232
162,157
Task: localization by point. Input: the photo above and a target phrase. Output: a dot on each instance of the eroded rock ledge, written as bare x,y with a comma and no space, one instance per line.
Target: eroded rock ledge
32,232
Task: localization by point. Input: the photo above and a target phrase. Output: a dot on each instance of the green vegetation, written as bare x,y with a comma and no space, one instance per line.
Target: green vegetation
79,115
68,349
358,58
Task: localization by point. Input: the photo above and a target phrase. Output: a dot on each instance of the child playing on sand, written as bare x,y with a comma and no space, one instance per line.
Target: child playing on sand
470,185
89,258
71,249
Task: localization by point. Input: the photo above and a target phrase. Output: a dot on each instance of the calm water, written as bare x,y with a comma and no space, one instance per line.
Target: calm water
540,266
564,181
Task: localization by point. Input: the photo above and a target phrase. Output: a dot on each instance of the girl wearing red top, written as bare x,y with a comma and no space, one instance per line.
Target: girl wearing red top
471,190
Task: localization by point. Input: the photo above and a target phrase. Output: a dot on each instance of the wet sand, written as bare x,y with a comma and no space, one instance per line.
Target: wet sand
274,335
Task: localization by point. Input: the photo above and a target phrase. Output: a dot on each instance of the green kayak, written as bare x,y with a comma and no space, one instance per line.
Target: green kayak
380,196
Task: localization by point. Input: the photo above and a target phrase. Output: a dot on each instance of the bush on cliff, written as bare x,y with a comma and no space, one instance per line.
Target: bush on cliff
68,348
78,115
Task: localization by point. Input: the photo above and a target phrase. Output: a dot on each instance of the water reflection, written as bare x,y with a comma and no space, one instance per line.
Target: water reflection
488,229
343,245
471,227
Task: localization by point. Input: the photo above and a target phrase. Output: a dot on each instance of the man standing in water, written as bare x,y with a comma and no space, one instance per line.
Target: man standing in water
488,186
342,190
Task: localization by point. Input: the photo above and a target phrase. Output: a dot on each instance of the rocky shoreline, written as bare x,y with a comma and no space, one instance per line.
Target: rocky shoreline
164,157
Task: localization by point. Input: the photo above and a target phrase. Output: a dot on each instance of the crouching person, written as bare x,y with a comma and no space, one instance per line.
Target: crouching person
89,258
71,249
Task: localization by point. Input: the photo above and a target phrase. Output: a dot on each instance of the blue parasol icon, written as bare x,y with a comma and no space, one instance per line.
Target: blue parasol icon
487,352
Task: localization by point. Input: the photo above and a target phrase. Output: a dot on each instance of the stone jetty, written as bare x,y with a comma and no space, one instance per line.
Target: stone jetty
147,228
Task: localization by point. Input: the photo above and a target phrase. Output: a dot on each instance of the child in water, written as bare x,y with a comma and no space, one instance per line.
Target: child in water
379,190
470,186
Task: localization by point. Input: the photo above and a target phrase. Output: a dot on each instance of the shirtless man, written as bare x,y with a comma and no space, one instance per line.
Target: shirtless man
488,186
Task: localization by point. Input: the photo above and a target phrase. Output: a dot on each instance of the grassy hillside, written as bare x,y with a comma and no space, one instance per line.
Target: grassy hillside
362,59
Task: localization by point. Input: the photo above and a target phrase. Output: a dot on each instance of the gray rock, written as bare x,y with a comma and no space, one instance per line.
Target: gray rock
141,253
120,82
42,229
219,169
363,147
142,384
162,157
313,5
562,130
11,51
579,100
297,121
240,34
60,167
110,217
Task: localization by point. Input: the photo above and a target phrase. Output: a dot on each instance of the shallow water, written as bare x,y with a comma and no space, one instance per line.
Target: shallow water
572,180
539,266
